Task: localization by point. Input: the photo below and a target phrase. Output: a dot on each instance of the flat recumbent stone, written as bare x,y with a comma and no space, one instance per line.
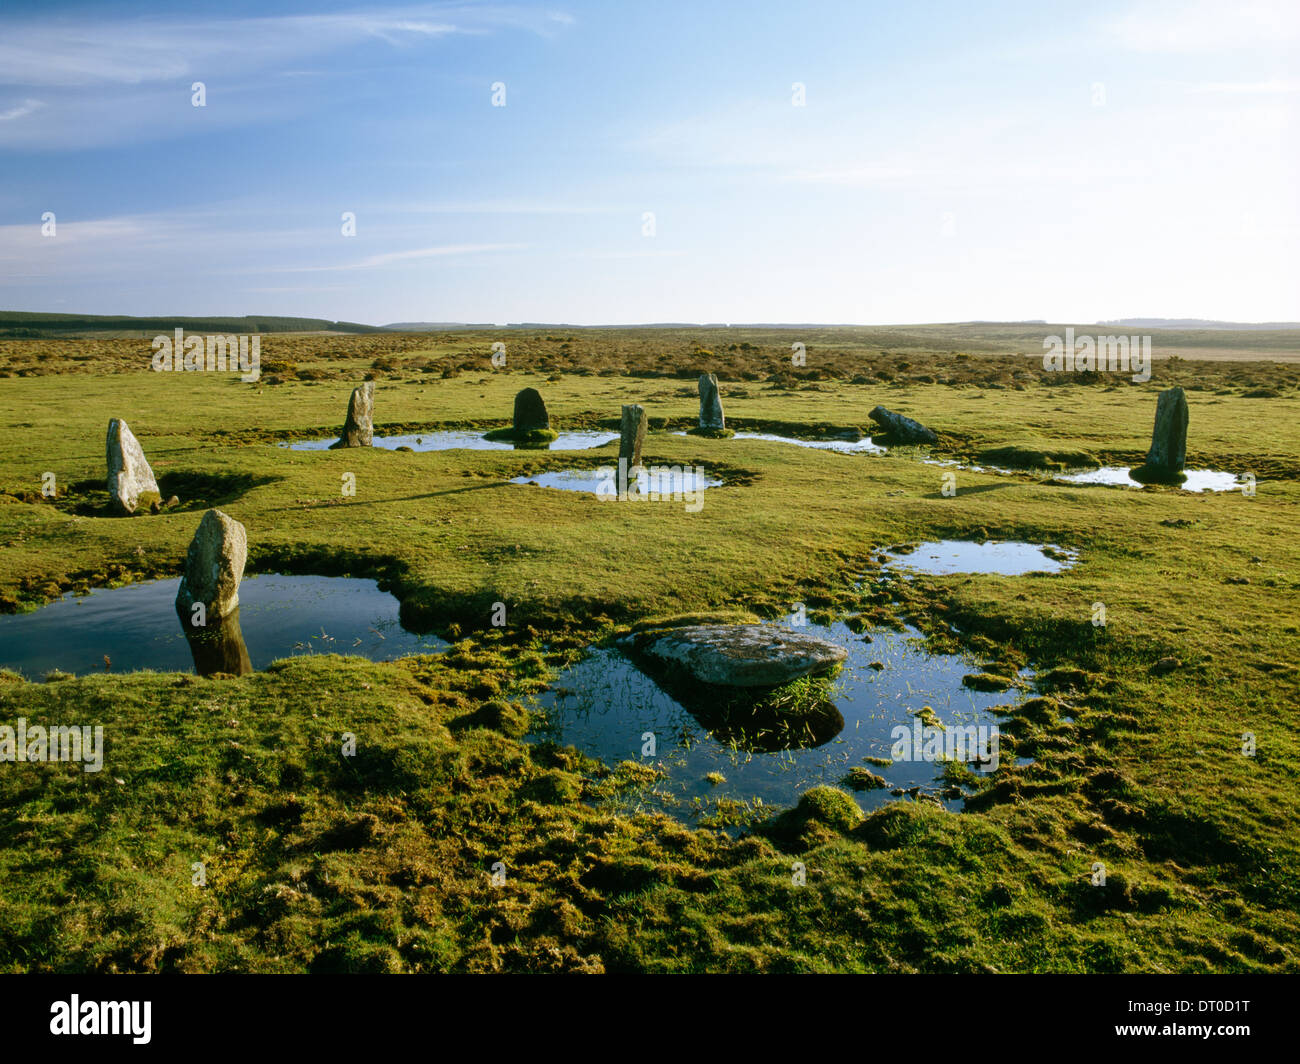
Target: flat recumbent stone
738,655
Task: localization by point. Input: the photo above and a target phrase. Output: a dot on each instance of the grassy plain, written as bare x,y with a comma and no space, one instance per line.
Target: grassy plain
315,862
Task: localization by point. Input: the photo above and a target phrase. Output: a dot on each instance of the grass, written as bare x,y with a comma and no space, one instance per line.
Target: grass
383,861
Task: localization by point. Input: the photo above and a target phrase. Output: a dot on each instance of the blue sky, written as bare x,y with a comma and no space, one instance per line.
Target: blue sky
951,161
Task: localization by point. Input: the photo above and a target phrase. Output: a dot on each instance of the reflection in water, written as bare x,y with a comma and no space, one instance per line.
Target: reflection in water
649,482
605,706
136,627
1115,476
217,647
454,440
946,556
746,719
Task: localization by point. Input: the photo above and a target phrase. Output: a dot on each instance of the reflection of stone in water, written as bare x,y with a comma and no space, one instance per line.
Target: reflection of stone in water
749,719
217,647
761,730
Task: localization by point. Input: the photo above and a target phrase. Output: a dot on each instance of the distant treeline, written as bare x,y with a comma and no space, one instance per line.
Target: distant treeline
20,324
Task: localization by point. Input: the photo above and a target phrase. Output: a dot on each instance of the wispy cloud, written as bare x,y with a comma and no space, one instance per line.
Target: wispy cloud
390,257
1273,87
141,69
21,111
1216,26
132,51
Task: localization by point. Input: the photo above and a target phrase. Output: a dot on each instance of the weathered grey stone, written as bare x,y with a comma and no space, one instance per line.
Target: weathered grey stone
900,428
710,403
737,655
1169,439
632,435
214,567
530,411
359,428
131,484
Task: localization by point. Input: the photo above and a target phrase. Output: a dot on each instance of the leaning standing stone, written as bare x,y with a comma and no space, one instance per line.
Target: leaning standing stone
213,567
131,483
631,435
530,412
901,429
359,429
1168,451
711,418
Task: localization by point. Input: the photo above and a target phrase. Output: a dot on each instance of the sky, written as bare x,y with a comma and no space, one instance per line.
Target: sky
621,162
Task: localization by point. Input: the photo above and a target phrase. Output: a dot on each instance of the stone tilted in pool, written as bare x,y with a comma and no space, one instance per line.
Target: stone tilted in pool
902,429
737,655
214,566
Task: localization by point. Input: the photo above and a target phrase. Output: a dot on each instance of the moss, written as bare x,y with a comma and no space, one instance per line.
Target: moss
1029,457
711,434
829,806
986,681
862,779
526,438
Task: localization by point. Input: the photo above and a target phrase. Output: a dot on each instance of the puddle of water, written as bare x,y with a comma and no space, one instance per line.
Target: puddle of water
604,481
278,616
862,446
465,440
942,557
1197,479
604,705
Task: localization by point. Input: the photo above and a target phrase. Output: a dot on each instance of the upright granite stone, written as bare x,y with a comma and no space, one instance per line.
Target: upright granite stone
1168,451
359,428
900,428
131,484
530,412
631,435
711,419
214,566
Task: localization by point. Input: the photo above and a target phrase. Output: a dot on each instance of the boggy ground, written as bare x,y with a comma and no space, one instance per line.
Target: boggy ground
385,860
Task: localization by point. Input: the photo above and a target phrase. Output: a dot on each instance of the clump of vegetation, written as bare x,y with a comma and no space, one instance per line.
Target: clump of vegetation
829,806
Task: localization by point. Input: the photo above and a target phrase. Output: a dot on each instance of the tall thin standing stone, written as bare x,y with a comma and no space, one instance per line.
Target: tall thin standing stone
632,435
710,403
359,428
1168,451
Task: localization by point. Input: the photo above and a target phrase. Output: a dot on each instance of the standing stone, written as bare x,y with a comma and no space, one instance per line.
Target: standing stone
530,411
131,483
710,403
632,435
213,567
900,428
1169,440
359,428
